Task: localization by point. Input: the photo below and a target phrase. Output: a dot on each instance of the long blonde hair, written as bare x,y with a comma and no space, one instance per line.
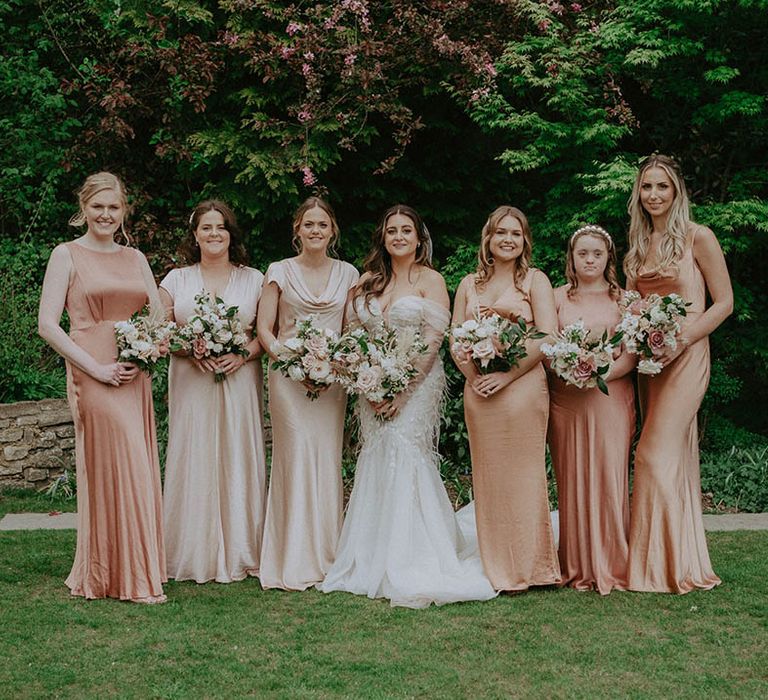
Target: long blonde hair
485,260
609,274
98,182
672,245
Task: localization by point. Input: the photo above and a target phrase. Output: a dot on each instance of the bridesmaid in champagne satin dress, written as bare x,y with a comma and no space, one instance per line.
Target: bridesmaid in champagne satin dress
119,521
590,434
669,253
304,502
214,494
506,412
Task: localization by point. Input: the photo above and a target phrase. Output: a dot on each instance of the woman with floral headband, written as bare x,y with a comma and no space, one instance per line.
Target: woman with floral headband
670,253
215,492
590,434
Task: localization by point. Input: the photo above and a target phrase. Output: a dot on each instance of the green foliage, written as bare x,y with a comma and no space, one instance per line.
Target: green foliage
737,478
29,369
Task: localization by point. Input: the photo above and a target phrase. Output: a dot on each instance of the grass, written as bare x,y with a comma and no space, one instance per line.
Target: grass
237,640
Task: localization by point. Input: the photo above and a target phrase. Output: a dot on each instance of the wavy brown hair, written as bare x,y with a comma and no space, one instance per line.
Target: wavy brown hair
307,205
641,225
98,182
379,263
609,273
485,260
189,249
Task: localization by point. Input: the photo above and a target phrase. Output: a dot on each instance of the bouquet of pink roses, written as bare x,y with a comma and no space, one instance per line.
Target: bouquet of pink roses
492,342
649,325
580,360
212,331
144,338
307,356
378,365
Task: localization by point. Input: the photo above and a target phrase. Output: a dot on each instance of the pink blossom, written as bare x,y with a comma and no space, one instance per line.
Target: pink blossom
306,69
292,28
305,115
575,7
287,51
656,340
309,56
230,39
349,59
544,25
199,348
309,176
491,69
584,369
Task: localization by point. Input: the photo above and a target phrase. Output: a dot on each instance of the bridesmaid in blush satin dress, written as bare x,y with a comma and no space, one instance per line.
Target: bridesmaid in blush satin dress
119,521
669,253
215,481
506,412
304,502
590,434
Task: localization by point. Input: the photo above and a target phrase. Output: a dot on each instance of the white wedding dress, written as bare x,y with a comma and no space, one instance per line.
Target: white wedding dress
400,538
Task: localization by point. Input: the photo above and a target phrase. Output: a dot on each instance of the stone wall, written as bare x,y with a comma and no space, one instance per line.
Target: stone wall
37,442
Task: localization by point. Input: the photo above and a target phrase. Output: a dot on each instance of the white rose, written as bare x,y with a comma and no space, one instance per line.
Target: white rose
296,373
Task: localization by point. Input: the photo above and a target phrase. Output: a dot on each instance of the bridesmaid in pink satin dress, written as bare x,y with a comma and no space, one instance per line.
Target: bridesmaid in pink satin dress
670,253
506,412
120,550
305,497
590,434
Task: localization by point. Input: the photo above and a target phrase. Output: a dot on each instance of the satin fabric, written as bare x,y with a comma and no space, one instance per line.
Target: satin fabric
667,545
401,539
120,550
507,440
304,504
590,436
215,482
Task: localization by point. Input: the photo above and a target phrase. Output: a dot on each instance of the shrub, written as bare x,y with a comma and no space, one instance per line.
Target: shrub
737,478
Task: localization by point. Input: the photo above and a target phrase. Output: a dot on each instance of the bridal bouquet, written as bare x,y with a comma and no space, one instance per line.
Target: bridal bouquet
580,360
144,338
378,365
649,325
307,356
493,343
213,330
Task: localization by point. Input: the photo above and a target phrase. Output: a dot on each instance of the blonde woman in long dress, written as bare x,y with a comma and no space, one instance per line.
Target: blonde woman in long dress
670,253
401,539
506,412
119,521
215,481
590,434
304,505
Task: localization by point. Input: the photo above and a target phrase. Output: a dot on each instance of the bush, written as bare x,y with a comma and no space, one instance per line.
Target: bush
29,369
737,478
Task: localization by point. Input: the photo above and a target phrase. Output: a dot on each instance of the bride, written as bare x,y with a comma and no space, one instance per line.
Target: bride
400,539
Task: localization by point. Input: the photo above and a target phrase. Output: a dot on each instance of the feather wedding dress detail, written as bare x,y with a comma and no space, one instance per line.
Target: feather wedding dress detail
400,539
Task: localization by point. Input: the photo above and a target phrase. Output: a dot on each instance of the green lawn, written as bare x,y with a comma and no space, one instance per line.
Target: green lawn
236,640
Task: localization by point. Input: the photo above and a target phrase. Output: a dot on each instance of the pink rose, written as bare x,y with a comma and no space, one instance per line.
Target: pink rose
317,345
484,351
199,348
656,340
584,369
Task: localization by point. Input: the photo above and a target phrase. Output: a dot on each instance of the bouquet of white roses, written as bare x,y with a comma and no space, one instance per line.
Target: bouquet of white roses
378,365
144,338
649,325
579,359
213,330
492,342
307,356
